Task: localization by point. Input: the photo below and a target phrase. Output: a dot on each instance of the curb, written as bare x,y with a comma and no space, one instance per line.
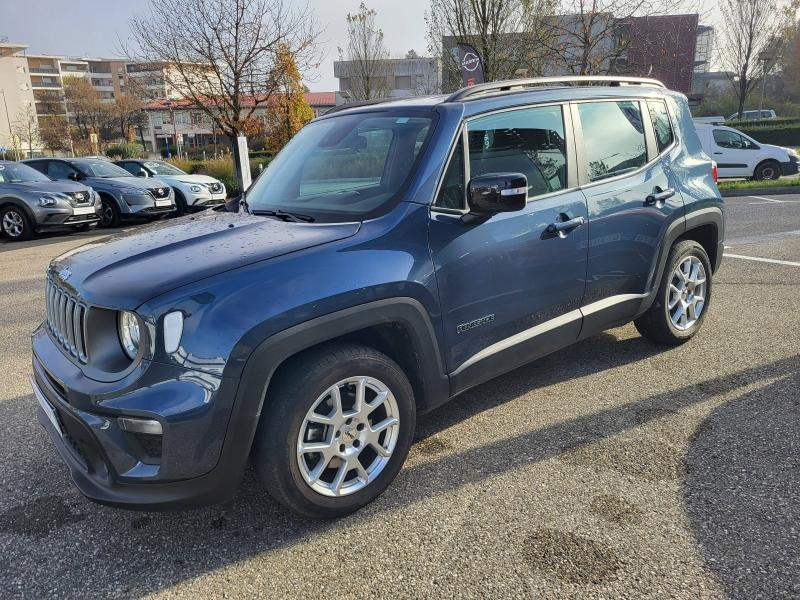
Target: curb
765,191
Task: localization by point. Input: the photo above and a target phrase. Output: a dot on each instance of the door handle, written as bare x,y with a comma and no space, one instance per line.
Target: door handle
717,152
658,197
562,227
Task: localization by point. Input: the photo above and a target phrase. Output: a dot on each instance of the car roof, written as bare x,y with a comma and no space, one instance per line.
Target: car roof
499,94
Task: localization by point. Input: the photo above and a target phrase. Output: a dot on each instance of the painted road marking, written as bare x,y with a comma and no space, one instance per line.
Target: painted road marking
766,260
770,200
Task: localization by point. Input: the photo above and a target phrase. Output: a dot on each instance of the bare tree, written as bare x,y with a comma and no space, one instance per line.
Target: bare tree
26,128
509,35
751,42
85,107
54,133
365,62
223,56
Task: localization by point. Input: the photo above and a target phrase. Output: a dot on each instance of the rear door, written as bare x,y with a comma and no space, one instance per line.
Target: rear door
632,200
509,290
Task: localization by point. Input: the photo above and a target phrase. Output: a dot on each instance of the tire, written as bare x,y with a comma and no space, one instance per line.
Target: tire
109,216
769,169
306,385
659,323
181,208
15,224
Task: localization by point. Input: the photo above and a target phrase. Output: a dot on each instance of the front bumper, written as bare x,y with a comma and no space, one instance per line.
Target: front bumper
195,463
789,168
146,206
59,218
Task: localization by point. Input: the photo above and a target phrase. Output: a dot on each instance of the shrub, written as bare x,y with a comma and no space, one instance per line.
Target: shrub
778,134
221,168
124,150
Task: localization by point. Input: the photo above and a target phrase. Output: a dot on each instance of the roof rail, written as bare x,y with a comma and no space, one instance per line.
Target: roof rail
357,103
502,86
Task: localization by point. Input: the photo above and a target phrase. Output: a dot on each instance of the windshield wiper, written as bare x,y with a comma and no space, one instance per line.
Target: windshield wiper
284,215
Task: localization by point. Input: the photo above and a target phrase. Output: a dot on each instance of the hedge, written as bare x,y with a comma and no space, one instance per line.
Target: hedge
779,135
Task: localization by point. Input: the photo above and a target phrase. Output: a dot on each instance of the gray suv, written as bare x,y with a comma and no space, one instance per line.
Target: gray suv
123,196
30,202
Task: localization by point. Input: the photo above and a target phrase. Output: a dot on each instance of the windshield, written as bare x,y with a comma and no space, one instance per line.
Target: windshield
101,168
343,168
19,173
162,168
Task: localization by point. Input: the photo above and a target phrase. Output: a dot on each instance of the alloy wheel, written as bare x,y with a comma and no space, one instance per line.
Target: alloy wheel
13,223
686,296
106,215
348,436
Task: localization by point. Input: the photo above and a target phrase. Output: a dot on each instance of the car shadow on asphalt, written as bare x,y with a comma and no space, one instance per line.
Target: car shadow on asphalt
173,547
742,491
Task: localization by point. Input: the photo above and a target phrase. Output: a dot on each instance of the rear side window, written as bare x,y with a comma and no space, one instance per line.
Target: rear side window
661,124
613,138
528,141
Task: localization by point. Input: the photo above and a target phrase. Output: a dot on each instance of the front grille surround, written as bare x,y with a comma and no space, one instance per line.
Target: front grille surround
66,320
164,193
86,198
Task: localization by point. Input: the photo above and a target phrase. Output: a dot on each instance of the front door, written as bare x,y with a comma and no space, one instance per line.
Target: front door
735,154
632,200
509,289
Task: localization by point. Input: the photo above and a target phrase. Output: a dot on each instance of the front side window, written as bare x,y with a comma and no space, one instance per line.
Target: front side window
661,124
613,138
530,141
725,138
345,167
101,168
59,170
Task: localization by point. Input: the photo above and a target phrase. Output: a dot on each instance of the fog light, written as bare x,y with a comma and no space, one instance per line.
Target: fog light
140,425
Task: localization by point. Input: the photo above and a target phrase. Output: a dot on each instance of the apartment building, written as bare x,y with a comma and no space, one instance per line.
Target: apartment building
16,91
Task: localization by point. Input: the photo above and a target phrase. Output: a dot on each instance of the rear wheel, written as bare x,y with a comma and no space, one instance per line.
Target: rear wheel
335,431
181,208
14,223
683,297
769,169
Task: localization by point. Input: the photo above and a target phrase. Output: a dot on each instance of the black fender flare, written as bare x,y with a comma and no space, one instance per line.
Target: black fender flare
709,214
20,204
273,351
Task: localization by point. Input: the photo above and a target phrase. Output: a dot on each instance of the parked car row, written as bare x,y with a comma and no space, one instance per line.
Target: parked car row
75,194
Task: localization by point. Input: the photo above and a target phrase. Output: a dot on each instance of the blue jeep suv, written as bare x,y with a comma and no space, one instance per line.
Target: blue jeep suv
393,255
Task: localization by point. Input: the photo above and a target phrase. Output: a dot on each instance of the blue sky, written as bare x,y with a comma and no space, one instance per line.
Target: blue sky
92,27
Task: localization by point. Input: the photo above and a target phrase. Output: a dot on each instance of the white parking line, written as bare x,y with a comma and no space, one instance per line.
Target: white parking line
766,260
770,200
767,199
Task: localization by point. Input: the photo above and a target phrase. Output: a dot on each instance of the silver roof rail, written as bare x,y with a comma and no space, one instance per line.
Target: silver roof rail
510,84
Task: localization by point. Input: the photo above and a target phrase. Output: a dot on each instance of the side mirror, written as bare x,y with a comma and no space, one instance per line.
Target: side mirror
142,173
496,193
73,176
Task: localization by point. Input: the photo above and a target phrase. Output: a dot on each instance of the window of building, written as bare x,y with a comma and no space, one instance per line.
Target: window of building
613,138
529,141
158,120
661,124
404,82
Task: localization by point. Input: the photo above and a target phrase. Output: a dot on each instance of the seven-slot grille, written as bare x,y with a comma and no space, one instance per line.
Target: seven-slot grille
161,192
65,319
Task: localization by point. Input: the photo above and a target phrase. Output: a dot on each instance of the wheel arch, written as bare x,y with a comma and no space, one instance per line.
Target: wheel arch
398,327
768,160
13,201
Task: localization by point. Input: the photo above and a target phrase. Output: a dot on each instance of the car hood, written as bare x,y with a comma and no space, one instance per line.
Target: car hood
48,186
127,269
120,182
189,178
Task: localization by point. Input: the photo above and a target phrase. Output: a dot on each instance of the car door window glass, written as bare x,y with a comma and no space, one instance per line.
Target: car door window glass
613,138
58,170
661,124
729,139
132,168
451,194
530,141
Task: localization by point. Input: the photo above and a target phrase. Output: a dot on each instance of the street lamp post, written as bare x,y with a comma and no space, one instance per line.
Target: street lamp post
764,58
8,119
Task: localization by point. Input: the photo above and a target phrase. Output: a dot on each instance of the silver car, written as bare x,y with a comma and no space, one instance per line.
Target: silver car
31,202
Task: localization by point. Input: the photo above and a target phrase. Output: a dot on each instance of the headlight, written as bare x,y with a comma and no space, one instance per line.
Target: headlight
129,333
48,200
196,189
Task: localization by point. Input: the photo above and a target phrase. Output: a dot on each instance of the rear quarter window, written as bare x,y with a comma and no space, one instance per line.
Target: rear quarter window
661,124
613,138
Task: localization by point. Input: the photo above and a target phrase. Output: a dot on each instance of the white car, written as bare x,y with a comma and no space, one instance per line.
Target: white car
192,192
753,115
738,155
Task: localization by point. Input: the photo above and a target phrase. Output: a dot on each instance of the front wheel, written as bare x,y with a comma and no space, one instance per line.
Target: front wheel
15,224
335,431
109,216
769,169
683,297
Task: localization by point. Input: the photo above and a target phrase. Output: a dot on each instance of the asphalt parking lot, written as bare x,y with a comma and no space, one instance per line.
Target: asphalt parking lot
614,468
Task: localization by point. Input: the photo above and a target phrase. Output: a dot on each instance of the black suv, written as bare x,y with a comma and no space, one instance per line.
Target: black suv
392,256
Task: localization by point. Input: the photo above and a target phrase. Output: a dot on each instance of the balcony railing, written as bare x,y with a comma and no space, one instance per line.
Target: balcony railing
43,70
45,84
